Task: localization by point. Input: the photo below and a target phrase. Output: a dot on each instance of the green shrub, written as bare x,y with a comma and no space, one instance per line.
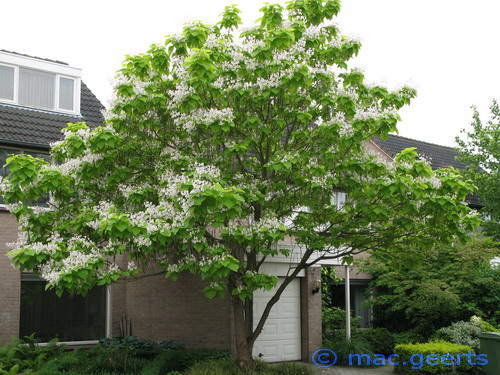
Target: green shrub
291,368
181,360
133,343
333,320
408,337
96,361
21,355
413,356
485,326
229,367
343,348
464,333
380,340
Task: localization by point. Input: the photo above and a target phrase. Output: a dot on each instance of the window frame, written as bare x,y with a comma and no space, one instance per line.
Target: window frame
56,93
107,313
16,84
57,78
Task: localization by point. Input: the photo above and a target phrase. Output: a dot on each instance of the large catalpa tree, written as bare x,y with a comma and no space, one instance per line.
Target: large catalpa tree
220,144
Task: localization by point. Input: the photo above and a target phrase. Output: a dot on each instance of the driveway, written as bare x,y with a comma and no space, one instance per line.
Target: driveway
385,370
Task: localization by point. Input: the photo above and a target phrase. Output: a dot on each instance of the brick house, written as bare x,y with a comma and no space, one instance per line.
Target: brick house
439,157
38,97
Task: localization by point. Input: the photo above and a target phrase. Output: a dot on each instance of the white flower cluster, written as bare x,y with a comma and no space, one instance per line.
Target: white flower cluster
104,209
143,241
52,271
434,181
5,185
179,94
202,116
156,218
323,181
50,247
131,266
256,229
204,170
73,165
82,133
128,190
22,241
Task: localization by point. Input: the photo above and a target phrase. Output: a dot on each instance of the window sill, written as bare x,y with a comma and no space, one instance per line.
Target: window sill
72,343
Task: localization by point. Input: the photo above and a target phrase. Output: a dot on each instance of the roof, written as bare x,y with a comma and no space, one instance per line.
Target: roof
439,156
38,128
34,57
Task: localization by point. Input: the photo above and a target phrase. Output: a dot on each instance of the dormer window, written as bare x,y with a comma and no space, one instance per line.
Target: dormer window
7,74
37,83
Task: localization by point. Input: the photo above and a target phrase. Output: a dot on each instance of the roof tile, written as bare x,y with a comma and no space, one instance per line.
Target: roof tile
20,125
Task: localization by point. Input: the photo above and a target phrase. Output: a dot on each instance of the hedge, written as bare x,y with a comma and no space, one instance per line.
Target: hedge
413,358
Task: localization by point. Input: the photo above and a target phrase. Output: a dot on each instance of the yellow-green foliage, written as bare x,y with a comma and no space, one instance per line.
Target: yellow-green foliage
414,355
485,326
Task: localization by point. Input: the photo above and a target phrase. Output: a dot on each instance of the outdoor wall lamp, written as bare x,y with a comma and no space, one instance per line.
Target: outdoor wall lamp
316,286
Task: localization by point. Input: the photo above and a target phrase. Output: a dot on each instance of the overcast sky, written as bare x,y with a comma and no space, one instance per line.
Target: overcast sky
446,49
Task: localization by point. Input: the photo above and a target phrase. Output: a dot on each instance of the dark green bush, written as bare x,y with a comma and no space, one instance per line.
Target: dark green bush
291,368
21,355
411,364
122,361
181,360
96,361
380,340
229,367
133,343
408,337
333,321
343,348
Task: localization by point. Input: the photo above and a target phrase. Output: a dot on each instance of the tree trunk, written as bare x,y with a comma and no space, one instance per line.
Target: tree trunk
243,346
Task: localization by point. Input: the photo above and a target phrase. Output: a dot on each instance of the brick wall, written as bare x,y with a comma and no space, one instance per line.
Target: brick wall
311,313
354,273
161,309
10,281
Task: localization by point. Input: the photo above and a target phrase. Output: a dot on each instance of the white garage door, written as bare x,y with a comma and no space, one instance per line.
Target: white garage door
280,338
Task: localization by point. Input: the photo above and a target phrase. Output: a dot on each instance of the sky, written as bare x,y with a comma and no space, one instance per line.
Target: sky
446,49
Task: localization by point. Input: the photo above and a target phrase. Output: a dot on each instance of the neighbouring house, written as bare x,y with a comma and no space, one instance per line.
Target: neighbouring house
439,157
38,97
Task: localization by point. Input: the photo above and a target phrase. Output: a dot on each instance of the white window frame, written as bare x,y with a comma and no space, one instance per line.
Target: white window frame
16,81
58,70
56,93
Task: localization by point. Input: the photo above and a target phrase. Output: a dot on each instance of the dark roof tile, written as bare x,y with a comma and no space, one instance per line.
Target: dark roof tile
440,156
25,126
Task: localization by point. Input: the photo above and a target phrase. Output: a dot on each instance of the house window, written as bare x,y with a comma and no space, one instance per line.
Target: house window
38,89
68,318
66,93
4,170
7,82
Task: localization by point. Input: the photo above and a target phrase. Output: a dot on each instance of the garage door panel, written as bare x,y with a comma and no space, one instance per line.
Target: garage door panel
259,306
269,331
280,339
291,349
290,329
